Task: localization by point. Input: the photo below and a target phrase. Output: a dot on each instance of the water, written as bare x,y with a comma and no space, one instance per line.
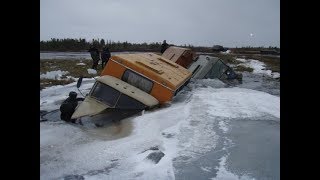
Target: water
73,55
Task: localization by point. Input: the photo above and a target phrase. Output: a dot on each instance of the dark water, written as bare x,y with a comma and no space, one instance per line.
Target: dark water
106,125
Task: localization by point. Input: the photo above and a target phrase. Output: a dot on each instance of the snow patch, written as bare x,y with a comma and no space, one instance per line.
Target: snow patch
241,59
214,83
223,126
55,75
92,71
258,67
73,78
275,75
207,169
226,52
52,97
80,64
238,102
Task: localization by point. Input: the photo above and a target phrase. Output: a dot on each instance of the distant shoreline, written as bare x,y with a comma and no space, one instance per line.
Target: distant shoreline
84,51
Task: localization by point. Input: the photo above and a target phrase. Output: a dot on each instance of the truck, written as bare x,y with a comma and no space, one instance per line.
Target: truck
133,83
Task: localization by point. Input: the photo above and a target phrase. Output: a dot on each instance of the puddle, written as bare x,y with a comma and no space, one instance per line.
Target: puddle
106,126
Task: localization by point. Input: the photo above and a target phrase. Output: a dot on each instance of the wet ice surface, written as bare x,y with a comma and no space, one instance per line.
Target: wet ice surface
210,131
260,82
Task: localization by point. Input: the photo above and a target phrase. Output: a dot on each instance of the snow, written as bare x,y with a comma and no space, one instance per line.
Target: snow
55,75
187,128
239,102
226,52
275,75
70,77
92,71
258,67
223,126
80,64
52,97
241,59
207,169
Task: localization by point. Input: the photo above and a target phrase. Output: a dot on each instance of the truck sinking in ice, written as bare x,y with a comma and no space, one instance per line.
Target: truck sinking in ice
202,66
131,83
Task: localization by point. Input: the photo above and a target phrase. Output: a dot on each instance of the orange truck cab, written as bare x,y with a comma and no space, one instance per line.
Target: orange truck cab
132,83
152,73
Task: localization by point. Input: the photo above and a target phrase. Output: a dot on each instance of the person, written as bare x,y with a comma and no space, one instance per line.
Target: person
164,46
95,55
68,107
105,55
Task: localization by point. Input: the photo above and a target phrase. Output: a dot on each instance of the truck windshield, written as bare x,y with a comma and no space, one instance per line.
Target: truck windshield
126,102
114,98
105,94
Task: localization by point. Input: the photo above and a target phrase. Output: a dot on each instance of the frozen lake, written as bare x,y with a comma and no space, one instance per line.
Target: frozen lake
209,131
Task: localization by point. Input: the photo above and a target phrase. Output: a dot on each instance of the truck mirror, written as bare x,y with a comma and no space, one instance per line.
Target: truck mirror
79,82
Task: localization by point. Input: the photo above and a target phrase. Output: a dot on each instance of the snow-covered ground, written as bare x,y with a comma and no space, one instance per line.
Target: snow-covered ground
258,67
52,97
53,75
226,52
209,131
92,71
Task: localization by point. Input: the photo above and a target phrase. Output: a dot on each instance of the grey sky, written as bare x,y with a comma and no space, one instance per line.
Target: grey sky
196,22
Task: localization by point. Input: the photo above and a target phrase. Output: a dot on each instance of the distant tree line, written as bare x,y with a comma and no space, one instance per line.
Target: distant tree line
80,44
83,45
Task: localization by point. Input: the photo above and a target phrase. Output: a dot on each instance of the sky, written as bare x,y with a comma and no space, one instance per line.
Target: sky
231,23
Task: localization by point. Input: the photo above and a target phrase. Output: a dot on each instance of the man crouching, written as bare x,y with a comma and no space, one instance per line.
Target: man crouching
68,107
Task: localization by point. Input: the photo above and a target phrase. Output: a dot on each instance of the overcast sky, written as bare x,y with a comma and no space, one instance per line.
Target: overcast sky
229,23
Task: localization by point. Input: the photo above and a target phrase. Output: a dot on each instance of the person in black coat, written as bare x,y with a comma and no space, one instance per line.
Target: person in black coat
68,107
105,55
164,46
95,55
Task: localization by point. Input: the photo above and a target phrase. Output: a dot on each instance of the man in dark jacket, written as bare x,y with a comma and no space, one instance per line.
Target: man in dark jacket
105,55
95,55
164,46
68,107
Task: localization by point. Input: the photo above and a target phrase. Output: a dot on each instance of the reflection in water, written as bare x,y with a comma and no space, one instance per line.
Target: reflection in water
111,130
109,125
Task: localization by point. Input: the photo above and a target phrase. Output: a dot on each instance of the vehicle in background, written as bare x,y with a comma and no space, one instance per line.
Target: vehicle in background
202,67
181,56
210,67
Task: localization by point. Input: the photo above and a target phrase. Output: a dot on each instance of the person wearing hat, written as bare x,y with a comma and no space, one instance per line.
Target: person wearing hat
68,107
